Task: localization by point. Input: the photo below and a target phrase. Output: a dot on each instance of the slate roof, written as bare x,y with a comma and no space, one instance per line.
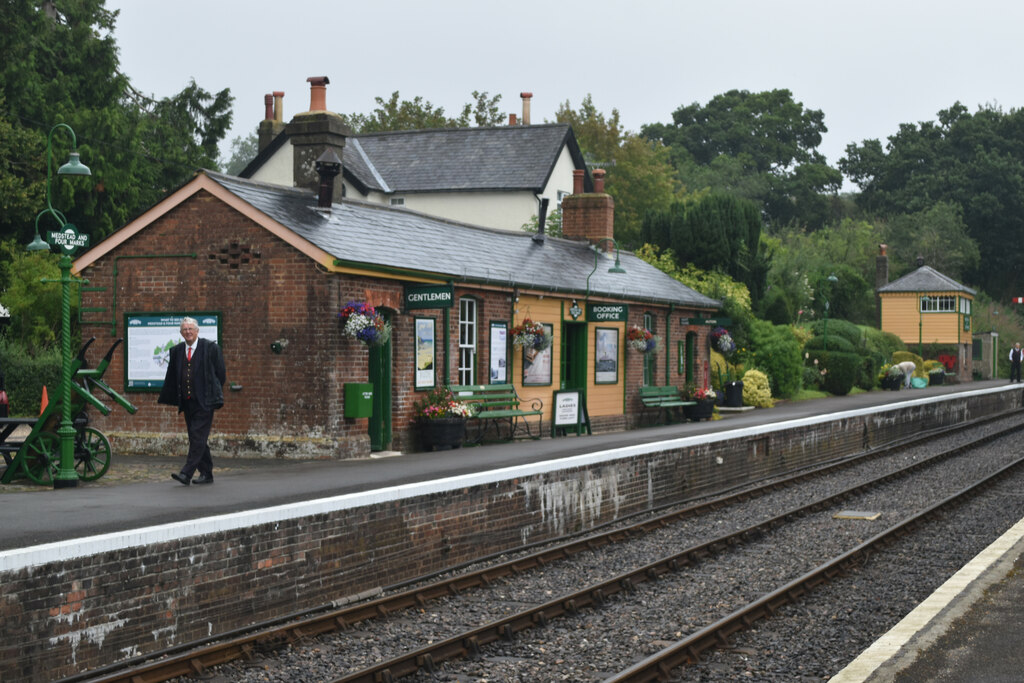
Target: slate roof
502,158
364,233
925,279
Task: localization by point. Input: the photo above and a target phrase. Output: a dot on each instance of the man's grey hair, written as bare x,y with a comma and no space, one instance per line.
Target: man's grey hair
190,321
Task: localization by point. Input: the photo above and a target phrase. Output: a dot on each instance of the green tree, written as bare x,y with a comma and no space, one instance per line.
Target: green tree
419,114
938,235
61,66
35,307
714,231
973,162
762,146
243,150
640,177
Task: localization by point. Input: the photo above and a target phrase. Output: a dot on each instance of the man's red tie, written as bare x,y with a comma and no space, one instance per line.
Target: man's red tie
189,353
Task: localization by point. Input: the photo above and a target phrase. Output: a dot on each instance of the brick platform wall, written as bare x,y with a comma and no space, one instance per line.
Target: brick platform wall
59,617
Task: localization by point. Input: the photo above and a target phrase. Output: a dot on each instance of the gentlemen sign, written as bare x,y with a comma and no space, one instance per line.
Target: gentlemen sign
430,296
607,313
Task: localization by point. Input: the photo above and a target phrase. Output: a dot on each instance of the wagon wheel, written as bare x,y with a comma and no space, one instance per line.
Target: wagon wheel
42,458
92,454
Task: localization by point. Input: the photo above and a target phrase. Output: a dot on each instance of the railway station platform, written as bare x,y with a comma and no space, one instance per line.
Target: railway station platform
55,528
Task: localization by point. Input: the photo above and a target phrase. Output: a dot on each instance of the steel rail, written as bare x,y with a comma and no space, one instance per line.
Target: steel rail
595,595
195,658
658,667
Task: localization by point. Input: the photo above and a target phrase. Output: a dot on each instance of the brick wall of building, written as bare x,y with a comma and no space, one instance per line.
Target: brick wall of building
63,617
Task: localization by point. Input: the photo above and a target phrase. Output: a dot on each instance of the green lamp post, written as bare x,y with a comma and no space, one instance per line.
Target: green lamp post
833,279
617,268
69,240
920,325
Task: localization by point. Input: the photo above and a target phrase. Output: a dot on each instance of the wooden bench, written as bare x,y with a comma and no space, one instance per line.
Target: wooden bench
497,405
661,399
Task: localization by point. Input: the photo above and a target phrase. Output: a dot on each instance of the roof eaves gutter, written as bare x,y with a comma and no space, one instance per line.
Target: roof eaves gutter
426,276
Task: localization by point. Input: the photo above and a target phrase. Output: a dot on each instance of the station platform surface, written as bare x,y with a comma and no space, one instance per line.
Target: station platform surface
988,598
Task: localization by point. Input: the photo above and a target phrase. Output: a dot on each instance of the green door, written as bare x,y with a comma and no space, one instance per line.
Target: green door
574,357
380,377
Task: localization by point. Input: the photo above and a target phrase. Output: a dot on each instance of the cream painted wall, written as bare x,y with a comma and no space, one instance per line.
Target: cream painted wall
278,169
502,210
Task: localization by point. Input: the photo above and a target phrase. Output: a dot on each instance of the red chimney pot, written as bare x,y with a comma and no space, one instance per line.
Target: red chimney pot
268,107
598,180
577,181
318,92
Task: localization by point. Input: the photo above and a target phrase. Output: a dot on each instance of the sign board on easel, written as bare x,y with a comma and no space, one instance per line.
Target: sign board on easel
570,413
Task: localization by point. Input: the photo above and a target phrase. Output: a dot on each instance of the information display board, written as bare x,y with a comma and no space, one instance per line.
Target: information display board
149,338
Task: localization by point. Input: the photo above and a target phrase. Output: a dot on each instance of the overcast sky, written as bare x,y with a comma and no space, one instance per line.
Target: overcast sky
868,65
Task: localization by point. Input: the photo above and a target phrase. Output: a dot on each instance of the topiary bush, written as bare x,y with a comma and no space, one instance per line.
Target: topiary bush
839,328
757,391
841,370
840,344
776,352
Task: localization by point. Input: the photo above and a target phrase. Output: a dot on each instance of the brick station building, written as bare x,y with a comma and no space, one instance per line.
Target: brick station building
266,269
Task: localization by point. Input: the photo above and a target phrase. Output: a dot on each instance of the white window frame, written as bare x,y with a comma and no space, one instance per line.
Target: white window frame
937,304
467,340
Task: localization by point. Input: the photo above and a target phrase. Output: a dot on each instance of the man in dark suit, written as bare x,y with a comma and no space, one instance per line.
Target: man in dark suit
1016,355
195,383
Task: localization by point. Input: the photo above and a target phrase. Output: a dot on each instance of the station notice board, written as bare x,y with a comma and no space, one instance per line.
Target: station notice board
569,413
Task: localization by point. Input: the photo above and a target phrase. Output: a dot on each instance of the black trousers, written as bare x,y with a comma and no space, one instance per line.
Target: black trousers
1015,371
198,422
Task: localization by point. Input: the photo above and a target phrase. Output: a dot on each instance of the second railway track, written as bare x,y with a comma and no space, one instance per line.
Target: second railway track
367,643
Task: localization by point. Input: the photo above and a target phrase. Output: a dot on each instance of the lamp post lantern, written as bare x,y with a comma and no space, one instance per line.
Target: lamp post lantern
617,268
69,240
833,279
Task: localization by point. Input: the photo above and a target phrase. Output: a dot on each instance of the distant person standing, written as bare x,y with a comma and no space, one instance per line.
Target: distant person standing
195,383
1015,359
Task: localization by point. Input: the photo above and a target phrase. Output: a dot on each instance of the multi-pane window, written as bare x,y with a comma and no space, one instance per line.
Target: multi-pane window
938,304
467,341
965,306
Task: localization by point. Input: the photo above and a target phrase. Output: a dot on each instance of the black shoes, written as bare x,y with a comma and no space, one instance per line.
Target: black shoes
203,479
182,479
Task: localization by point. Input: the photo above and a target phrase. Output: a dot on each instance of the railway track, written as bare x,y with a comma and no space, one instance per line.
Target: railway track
471,641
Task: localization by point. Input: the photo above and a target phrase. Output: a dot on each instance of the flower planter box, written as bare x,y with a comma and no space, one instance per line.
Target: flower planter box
936,378
703,410
442,434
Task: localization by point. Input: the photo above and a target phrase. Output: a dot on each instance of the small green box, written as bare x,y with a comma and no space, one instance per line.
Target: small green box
358,400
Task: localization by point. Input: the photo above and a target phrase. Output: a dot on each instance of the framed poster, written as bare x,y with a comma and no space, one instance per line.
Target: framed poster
606,355
499,352
149,338
537,364
425,353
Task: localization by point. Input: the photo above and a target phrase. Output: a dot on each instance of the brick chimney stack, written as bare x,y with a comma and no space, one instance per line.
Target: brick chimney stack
272,124
588,216
313,133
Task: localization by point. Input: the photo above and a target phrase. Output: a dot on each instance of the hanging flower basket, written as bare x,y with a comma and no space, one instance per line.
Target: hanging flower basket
530,335
722,341
361,321
641,339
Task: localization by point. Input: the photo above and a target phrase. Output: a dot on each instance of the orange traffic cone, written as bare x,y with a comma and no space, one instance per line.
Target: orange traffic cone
45,402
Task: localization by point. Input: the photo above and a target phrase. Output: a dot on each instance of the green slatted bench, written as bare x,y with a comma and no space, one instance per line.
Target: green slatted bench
661,399
497,405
